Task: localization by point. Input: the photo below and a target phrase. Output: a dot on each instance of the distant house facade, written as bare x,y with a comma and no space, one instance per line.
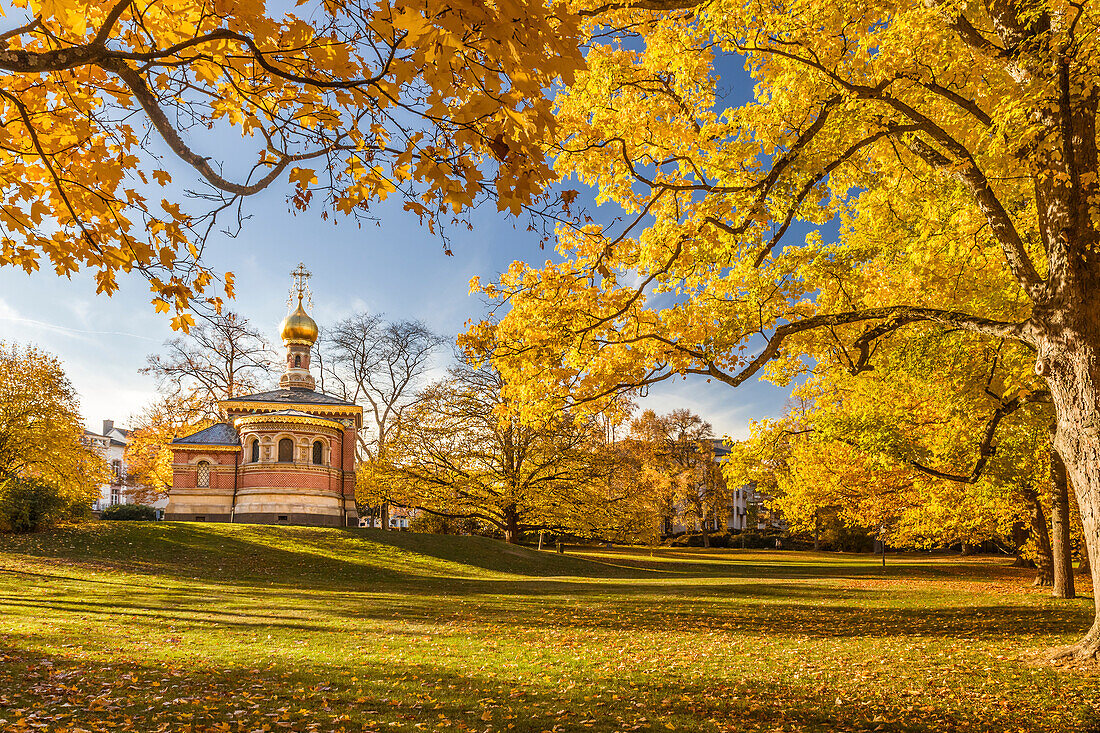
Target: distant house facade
747,509
111,444
286,456
400,518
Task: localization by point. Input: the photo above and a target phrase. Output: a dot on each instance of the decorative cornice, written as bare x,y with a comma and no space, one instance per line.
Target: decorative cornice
307,407
289,466
203,448
284,491
296,419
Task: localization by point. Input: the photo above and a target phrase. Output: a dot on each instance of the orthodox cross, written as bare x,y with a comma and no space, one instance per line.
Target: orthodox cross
300,275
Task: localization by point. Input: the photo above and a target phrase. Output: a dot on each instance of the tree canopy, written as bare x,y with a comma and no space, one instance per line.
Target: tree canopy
462,451
42,451
219,359
953,145
349,102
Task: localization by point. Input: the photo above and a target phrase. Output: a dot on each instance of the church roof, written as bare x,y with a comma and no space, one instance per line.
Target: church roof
288,413
217,434
294,396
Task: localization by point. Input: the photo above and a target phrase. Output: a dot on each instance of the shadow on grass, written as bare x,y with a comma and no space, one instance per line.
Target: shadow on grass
767,610
358,559
60,690
297,556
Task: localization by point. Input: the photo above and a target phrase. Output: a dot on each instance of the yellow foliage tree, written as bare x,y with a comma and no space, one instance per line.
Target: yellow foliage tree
677,469
149,453
955,145
41,431
462,452
349,102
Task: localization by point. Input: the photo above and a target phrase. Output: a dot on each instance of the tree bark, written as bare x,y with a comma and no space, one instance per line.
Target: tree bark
1044,561
1065,320
384,515
1060,544
1070,361
817,531
1020,536
1085,568
511,525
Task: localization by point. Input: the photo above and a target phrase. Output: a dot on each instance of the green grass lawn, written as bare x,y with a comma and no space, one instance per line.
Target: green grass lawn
204,627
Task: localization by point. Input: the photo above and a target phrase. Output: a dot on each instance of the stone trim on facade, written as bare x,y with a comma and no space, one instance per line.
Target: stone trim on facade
199,447
258,408
262,419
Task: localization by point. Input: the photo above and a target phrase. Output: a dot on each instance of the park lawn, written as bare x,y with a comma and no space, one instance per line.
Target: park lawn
206,627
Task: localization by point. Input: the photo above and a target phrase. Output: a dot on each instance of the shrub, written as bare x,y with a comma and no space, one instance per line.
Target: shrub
428,523
130,512
30,504
695,539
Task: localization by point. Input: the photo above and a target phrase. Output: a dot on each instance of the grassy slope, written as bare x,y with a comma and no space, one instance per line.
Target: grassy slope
237,627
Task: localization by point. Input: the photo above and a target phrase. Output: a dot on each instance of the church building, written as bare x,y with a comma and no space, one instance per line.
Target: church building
286,456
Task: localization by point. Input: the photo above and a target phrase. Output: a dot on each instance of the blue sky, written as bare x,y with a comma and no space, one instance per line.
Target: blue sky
396,268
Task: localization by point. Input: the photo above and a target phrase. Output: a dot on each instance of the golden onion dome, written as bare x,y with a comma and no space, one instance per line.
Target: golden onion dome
298,326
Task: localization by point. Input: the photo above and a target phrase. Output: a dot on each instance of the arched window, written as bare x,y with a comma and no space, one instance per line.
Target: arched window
318,453
255,451
202,476
297,361
286,450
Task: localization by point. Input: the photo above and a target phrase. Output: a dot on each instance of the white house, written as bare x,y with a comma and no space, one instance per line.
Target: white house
747,506
399,518
111,444
746,501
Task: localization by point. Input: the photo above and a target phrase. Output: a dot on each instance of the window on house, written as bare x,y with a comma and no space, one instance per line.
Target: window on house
255,450
282,518
318,453
286,450
202,478
116,470
116,496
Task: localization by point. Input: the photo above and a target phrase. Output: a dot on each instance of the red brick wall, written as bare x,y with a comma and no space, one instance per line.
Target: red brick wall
337,475
349,461
286,475
221,468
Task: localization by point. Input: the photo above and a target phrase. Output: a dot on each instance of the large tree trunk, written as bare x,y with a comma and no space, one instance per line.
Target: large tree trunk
1065,320
384,515
511,524
1060,542
1070,361
1085,568
1020,536
1044,561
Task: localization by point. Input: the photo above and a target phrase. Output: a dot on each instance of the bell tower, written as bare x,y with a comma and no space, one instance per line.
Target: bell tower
299,333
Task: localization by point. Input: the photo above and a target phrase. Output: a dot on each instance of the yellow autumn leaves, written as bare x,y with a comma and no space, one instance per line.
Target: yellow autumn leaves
442,106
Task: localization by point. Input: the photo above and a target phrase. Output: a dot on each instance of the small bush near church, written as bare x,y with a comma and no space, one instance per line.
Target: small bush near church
130,512
29,504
